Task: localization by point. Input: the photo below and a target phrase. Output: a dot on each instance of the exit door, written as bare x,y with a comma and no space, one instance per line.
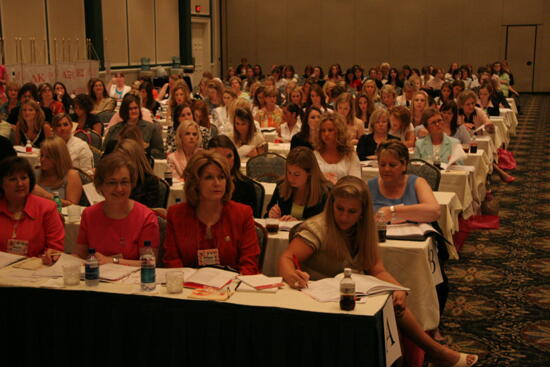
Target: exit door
520,53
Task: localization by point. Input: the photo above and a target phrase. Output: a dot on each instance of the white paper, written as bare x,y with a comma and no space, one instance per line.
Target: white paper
243,287
391,336
457,154
216,278
56,270
93,196
112,272
260,280
7,258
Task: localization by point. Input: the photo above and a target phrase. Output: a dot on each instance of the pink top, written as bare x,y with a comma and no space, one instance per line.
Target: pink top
41,225
118,236
177,161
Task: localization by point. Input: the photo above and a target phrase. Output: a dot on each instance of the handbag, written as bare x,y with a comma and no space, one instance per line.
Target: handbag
506,159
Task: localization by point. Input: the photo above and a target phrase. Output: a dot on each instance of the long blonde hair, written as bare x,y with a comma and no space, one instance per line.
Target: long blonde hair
57,151
316,185
22,126
366,236
343,143
347,98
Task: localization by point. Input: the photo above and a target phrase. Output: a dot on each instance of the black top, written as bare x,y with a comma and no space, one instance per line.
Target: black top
286,205
6,148
14,115
147,192
299,140
36,143
244,193
367,146
91,120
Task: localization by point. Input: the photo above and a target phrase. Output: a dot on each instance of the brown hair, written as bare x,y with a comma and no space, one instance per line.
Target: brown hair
343,143
109,164
396,147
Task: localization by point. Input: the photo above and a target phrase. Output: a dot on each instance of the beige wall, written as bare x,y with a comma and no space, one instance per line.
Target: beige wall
417,32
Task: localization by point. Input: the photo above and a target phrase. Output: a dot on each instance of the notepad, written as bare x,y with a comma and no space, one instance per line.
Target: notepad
114,272
260,281
210,277
328,289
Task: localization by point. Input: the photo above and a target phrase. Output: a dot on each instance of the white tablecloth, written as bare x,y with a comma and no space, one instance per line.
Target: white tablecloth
502,134
510,119
512,103
279,148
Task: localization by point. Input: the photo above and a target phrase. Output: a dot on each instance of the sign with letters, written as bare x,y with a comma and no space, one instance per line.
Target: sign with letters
391,336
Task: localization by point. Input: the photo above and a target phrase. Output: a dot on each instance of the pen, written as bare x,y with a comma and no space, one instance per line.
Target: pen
297,265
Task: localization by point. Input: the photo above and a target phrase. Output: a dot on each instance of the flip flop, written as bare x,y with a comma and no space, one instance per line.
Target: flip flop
463,361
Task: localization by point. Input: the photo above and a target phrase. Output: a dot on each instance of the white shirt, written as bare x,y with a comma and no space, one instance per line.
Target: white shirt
256,141
81,155
348,165
287,134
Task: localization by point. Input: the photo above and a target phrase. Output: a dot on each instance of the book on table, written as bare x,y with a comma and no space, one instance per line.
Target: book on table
409,231
328,289
209,277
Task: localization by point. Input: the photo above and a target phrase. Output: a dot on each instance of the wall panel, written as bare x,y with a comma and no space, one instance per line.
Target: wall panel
66,20
115,32
167,23
141,30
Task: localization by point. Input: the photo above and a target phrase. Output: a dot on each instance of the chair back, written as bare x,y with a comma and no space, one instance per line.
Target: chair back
261,232
162,229
85,179
164,192
266,167
94,141
260,196
105,116
427,171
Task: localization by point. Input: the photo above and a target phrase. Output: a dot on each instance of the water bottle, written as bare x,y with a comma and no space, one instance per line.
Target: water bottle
91,274
28,146
347,291
147,259
58,202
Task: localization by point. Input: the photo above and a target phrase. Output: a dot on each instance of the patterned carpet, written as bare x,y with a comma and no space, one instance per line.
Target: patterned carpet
499,304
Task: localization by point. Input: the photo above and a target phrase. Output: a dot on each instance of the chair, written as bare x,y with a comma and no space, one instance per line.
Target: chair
260,196
164,192
427,171
105,116
261,232
94,141
266,167
162,229
85,179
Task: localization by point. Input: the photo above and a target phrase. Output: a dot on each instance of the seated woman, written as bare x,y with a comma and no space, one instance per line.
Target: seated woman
211,229
179,95
418,106
371,90
62,95
201,117
248,140
470,115
57,173
270,115
292,117
317,98
436,146
333,149
80,153
400,119
304,190
31,125
83,106
146,188
345,106
243,191
220,115
101,100
236,85
12,102
47,100
117,86
488,101
380,126
364,107
449,112
147,99
344,235
188,142
131,114
125,224
305,137
388,97
29,225
445,95
182,113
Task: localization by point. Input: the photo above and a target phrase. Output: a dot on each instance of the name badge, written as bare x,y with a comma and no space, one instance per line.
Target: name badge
208,257
18,247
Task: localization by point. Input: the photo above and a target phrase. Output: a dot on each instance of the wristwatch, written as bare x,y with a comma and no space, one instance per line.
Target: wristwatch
116,259
392,210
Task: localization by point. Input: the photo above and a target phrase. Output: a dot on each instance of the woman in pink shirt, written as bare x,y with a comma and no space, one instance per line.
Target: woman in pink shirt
29,225
188,142
118,226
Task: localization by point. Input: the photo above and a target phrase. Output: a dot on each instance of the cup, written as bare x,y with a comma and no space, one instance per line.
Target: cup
71,274
73,213
466,148
272,225
174,282
473,148
381,228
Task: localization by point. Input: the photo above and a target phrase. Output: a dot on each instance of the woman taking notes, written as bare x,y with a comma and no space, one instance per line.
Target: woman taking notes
118,226
304,190
210,229
344,235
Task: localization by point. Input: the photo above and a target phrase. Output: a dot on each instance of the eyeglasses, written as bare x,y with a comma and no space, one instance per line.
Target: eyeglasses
113,183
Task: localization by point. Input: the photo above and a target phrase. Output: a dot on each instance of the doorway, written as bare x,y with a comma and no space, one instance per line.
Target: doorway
521,42
200,48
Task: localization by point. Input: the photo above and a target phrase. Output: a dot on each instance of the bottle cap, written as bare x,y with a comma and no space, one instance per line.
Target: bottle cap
347,272
56,193
146,243
91,251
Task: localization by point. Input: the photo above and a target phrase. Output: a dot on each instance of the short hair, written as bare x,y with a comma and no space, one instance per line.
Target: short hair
125,106
183,127
194,170
389,89
60,116
57,151
342,140
376,115
223,141
109,164
396,147
12,165
28,87
85,102
464,96
42,88
428,114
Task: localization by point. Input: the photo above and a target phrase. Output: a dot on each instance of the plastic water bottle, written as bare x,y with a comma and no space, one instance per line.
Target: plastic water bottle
91,274
147,259
28,146
347,291
58,202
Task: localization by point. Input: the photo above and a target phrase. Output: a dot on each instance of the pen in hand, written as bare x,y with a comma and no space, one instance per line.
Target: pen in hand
298,268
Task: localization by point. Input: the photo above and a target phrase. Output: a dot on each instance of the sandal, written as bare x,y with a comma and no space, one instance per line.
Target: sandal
462,361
